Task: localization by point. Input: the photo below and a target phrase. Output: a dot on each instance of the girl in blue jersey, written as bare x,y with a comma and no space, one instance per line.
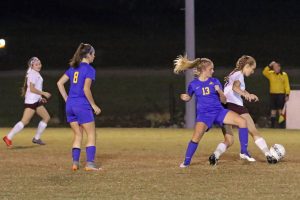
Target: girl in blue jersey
80,104
208,93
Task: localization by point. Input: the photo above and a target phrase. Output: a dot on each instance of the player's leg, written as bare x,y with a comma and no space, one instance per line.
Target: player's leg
27,116
235,119
77,140
258,139
223,146
199,130
43,113
273,103
90,130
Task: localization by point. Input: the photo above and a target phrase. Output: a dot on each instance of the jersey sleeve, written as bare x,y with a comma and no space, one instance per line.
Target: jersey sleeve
266,72
91,74
68,73
217,82
286,84
191,90
32,78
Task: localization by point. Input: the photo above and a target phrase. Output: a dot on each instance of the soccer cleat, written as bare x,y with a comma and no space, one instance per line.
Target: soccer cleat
75,166
7,141
212,159
271,160
182,165
39,141
246,156
91,166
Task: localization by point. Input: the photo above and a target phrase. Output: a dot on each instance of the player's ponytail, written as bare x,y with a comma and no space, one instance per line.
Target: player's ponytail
240,64
182,63
81,52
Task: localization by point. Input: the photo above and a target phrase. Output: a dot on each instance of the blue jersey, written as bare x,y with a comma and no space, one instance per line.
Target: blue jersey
207,98
77,78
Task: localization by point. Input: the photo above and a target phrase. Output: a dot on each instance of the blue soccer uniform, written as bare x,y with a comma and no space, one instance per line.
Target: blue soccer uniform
78,107
209,108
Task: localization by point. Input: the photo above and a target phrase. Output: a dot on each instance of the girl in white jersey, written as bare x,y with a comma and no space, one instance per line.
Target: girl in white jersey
234,90
33,93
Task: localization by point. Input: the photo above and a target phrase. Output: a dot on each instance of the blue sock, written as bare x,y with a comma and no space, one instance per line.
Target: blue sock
76,154
190,152
243,136
90,153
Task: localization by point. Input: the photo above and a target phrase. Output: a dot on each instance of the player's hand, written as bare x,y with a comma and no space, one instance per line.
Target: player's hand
43,100
46,94
217,88
271,64
286,98
247,96
253,97
96,109
185,97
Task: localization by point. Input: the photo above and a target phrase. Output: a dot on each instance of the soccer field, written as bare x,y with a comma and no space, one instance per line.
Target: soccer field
143,164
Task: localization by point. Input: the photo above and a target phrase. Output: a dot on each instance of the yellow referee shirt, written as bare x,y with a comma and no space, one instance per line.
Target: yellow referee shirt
279,83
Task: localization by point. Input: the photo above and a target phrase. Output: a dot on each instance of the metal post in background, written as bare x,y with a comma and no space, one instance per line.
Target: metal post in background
190,50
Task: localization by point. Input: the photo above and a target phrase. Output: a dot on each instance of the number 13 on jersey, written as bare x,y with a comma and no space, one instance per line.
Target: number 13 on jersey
75,78
205,91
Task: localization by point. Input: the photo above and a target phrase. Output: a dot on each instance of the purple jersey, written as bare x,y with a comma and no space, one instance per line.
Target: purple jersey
77,78
207,98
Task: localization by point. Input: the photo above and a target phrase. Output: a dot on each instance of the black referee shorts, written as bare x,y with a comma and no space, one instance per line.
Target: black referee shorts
277,101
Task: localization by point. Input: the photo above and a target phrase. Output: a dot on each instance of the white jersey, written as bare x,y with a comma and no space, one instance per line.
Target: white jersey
35,78
231,96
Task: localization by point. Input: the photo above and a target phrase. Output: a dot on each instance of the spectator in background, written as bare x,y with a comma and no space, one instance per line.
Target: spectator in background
279,88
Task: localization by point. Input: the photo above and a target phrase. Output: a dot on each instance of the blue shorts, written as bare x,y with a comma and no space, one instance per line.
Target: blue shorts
81,113
210,118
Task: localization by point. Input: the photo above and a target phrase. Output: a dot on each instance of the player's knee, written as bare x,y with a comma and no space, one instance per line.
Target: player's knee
25,122
230,142
242,123
46,119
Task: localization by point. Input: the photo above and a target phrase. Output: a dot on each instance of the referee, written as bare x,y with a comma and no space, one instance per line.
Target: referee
279,88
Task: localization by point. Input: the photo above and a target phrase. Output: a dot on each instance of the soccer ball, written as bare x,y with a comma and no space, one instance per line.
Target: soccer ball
277,151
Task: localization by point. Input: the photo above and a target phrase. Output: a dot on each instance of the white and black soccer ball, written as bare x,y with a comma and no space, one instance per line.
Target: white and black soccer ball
277,151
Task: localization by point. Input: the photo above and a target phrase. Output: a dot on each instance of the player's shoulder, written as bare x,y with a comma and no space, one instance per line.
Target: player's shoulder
33,73
215,80
284,73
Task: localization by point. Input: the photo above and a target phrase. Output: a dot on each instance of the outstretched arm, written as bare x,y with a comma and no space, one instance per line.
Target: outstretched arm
185,97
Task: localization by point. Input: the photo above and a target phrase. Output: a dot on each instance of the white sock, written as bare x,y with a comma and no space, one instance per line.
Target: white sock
41,127
262,145
221,148
16,129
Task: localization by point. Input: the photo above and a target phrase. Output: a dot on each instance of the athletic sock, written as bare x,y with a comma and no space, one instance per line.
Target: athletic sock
16,129
90,153
243,136
192,147
76,154
262,145
41,127
221,148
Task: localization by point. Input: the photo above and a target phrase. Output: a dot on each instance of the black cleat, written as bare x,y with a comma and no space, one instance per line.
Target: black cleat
271,160
212,159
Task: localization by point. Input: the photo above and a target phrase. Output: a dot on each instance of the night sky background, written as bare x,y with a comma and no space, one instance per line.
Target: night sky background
148,33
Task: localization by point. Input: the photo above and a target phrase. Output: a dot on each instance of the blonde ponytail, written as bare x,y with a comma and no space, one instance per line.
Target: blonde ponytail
182,63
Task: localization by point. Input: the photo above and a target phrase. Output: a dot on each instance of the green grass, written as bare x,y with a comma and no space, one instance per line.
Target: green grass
143,164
